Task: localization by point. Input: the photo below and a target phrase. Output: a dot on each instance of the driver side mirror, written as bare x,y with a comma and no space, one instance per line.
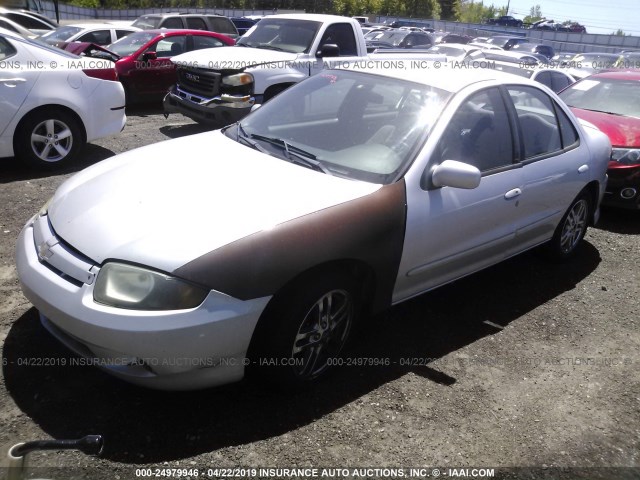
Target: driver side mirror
452,173
328,50
149,56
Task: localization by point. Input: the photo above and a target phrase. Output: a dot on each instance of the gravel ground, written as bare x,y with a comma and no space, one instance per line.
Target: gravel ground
528,364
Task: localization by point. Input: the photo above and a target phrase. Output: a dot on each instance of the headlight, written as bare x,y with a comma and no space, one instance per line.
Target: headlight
237,80
626,156
125,286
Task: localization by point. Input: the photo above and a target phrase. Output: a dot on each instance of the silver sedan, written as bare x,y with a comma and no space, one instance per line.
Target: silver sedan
257,248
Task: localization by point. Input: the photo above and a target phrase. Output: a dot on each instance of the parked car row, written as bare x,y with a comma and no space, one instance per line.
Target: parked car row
142,62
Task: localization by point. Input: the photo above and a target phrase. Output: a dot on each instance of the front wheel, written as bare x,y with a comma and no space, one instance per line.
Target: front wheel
571,229
306,330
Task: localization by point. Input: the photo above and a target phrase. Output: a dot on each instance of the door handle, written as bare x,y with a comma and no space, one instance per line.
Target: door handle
583,168
13,80
516,192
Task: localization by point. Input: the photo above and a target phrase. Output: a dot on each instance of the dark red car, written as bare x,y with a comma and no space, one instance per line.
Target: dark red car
145,67
611,102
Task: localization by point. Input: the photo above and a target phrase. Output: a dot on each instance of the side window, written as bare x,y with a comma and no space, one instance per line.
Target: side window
170,46
559,81
415,40
205,42
172,22
341,34
545,79
479,133
122,33
99,37
567,130
6,49
26,21
196,23
538,122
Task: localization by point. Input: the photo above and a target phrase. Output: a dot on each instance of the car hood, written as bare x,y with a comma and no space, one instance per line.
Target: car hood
235,57
166,204
622,131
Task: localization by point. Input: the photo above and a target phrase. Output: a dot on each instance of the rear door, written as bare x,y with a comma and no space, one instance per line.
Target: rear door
555,165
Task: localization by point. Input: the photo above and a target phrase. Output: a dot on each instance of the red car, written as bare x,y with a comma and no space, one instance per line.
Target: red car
144,66
611,102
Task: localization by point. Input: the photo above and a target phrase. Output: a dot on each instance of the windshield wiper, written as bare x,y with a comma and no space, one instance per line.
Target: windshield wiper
243,136
270,47
294,154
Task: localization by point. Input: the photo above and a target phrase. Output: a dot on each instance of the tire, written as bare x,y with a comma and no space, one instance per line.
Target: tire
295,330
48,139
571,229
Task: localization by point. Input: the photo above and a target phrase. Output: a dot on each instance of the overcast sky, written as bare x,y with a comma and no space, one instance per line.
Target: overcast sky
599,16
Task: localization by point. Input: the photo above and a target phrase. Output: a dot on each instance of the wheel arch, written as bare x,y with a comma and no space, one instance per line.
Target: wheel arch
274,90
360,272
593,191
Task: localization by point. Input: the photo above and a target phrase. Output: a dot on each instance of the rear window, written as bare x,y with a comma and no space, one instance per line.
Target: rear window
26,21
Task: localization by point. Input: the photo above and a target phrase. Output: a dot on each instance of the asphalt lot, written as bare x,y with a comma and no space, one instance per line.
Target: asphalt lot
528,364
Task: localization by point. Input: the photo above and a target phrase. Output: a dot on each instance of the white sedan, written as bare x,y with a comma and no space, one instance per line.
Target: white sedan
258,247
98,33
52,102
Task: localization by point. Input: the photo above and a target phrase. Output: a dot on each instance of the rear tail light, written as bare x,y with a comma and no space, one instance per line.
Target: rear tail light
102,73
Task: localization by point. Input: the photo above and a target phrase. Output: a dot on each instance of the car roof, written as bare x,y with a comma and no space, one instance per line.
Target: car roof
88,26
318,17
170,32
179,14
629,74
450,80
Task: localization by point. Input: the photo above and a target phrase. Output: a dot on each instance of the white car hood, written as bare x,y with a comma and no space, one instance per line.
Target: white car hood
166,204
234,58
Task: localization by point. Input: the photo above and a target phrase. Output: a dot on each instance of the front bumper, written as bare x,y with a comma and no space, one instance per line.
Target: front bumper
623,187
218,112
170,350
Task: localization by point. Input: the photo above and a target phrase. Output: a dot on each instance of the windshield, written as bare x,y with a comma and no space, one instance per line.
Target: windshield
61,34
131,43
147,22
350,124
283,34
619,97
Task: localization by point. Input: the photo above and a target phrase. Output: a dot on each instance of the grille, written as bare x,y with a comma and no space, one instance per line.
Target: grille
199,81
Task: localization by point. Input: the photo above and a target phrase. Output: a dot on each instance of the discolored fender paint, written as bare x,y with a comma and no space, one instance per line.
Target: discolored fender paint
369,229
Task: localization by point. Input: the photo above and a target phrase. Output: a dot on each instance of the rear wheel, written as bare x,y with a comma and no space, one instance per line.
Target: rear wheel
49,139
571,229
305,330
